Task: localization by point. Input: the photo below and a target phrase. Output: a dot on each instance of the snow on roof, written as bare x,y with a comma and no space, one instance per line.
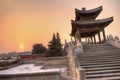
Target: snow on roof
26,53
27,68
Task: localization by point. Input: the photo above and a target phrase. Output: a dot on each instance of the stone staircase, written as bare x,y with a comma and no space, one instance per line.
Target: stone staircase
101,62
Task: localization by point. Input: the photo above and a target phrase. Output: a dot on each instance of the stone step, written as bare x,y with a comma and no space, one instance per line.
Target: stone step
91,47
101,53
99,58
99,63
98,47
103,75
97,66
114,52
106,78
102,68
103,72
108,53
105,59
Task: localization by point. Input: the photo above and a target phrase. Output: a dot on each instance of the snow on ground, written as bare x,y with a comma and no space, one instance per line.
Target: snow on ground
27,68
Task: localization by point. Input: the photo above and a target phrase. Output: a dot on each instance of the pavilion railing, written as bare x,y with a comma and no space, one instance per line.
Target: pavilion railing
115,41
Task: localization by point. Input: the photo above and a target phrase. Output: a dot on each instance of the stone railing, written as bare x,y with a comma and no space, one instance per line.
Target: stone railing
76,71
54,75
115,41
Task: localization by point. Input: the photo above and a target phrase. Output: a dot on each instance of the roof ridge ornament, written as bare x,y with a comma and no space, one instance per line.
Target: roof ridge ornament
83,9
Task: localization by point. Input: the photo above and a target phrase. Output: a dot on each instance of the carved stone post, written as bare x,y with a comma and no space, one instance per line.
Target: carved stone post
82,74
77,35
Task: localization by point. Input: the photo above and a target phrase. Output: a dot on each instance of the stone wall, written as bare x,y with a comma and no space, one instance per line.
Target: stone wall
76,71
71,64
32,76
115,41
46,59
49,62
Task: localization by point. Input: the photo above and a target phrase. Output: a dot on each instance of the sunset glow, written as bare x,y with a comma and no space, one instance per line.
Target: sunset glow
34,21
21,46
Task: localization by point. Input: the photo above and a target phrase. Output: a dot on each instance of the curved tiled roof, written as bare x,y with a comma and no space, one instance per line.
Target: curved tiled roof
90,26
91,22
93,13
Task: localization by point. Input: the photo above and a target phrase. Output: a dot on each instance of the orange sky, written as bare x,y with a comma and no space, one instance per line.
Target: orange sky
26,22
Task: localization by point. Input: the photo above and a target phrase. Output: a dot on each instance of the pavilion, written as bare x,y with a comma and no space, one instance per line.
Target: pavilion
86,25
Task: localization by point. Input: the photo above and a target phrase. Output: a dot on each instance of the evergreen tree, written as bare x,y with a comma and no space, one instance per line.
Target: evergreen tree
58,37
51,46
58,45
55,46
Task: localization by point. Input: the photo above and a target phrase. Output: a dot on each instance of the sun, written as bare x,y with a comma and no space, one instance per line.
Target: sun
21,46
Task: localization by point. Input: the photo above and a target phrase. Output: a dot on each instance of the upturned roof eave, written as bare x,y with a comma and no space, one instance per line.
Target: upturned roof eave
92,22
91,11
86,24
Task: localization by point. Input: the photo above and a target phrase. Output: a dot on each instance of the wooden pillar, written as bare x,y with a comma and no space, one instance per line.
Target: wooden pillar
91,39
86,39
94,39
104,37
99,37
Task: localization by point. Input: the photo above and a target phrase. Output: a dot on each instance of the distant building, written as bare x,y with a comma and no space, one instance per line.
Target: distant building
29,55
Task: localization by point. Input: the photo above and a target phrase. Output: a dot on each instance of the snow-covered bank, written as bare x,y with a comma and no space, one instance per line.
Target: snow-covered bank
26,69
